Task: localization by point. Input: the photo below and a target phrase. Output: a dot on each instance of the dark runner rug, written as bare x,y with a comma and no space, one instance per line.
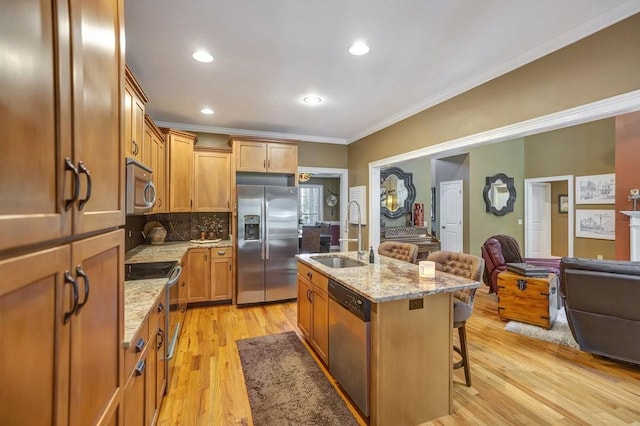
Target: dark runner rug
286,386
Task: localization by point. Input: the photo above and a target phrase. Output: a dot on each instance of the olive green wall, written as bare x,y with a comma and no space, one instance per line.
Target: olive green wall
212,140
559,221
597,67
489,160
314,154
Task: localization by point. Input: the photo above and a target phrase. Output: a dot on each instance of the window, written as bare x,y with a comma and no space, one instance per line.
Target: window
310,204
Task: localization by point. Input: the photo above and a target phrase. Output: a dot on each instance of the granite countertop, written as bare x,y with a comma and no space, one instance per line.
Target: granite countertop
387,279
140,295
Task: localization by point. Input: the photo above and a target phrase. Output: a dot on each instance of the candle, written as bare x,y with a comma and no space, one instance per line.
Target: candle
427,269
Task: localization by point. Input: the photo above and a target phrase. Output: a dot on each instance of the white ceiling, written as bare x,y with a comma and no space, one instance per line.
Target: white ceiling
269,53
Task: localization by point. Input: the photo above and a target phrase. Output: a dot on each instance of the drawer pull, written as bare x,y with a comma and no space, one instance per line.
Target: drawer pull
68,165
161,338
140,345
140,368
222,252
87,287
309,275
69,279
160,307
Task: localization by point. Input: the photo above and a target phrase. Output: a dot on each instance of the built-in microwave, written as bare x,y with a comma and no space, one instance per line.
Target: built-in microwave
141,192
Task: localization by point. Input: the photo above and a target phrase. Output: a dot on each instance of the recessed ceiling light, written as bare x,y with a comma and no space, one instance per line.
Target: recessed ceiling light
207,111
359,48
312,100
202,56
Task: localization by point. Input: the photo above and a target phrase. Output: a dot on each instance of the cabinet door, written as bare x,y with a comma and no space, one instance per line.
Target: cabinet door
35,142
221,274
250,156
212,181
97,72
199,276
97,327
151,379
320,323
304,307
134,396
137,129
161,348
33,366
180,173
282,158
127,118
159,175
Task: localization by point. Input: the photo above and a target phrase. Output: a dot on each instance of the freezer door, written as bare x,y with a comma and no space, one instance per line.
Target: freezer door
250,254
281,237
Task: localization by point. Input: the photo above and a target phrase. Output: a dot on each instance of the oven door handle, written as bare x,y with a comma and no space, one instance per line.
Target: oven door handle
175,275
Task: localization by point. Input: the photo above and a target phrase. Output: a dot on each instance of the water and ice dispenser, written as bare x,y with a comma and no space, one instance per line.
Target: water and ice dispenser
251,227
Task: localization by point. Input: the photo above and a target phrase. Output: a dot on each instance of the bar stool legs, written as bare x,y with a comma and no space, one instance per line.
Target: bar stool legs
462,350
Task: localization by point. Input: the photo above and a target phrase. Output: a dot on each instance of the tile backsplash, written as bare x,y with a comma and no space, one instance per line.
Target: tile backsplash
179,226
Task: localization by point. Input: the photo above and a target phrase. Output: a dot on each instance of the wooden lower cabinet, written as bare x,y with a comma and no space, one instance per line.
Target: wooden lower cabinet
313,309
144,370
61,333
210,275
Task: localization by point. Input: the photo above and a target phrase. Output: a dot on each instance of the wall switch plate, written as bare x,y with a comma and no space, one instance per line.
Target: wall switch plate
519,221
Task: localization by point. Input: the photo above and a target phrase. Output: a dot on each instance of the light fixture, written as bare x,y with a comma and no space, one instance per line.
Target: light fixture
207,111
312,100
359,48
304,177
202,56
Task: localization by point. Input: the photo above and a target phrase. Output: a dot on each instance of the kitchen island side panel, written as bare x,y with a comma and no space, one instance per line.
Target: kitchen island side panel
411,360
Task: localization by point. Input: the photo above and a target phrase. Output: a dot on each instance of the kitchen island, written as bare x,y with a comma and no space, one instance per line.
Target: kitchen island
411,333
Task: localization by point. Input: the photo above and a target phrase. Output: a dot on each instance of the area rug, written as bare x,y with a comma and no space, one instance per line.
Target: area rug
286,386
559,332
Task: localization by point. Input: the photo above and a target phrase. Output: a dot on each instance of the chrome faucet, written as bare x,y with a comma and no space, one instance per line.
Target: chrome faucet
346,228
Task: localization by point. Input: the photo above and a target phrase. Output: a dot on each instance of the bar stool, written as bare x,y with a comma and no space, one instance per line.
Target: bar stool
467,266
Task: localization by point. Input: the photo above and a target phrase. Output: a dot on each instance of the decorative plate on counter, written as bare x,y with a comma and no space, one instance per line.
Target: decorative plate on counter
217,240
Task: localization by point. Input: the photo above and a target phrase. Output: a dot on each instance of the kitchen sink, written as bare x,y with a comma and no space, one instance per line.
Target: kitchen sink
338,261
148,270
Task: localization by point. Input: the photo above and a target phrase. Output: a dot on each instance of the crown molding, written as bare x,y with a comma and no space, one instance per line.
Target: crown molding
605,20
245,132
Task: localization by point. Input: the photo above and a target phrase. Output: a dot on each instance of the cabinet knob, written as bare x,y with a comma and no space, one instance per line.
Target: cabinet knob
140,368
139,345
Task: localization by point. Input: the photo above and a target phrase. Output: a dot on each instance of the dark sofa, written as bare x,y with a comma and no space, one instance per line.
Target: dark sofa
601,299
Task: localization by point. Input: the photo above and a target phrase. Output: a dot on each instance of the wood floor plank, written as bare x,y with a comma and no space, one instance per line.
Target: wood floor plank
516,379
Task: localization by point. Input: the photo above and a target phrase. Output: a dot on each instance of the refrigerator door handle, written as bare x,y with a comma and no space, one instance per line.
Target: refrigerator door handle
266,229
262,232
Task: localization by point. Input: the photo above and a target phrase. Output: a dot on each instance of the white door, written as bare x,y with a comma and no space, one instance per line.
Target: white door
451,215
538,220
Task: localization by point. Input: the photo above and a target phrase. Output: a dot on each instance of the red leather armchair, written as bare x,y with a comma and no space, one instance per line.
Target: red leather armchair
499,250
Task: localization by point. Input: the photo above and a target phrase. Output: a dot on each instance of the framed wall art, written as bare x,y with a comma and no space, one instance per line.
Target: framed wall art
599,224
563,203
596,189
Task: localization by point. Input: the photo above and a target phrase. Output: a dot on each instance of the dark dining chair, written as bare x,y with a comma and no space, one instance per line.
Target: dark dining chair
310,239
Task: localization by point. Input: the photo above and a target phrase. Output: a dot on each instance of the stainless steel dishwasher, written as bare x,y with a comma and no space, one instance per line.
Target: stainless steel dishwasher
350,343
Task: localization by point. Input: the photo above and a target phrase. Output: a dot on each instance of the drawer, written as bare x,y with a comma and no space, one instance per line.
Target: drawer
221,252
154,316
320,280
136,349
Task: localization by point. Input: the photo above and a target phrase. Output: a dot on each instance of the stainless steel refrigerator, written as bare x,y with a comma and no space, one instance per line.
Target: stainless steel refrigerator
267,243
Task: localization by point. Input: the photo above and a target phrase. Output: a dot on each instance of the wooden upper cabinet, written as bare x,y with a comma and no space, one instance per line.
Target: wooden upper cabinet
179,147
265,156
155,153
61,141
212,181
134,101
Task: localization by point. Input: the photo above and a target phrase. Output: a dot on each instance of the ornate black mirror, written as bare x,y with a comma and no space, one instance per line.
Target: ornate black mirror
499,194
397,192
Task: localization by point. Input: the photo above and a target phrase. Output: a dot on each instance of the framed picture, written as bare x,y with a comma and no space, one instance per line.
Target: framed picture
563,203
596,189
600,224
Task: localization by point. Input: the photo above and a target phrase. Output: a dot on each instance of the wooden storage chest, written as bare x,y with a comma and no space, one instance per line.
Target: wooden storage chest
528,299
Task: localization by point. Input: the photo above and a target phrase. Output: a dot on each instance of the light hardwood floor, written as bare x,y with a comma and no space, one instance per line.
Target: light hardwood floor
516,380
